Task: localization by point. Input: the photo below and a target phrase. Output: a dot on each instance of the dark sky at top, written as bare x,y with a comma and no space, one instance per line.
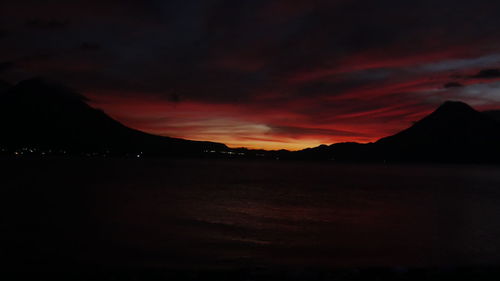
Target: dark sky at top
272,74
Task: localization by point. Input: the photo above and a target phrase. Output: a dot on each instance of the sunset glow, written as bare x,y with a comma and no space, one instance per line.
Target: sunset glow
265,74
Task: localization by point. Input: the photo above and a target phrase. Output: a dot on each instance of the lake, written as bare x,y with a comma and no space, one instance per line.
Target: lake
192,215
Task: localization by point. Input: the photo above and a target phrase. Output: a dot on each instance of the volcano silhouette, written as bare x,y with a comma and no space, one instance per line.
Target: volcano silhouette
37,113
454,133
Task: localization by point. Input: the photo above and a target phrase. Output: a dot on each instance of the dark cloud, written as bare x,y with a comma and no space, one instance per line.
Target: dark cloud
6,65
487,74
47,24
175,97
453,85
90,46
293,66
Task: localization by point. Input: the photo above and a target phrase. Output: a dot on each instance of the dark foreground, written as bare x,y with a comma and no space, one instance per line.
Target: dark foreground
98,219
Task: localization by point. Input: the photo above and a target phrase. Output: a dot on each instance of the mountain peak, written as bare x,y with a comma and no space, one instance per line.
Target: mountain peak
44,114
455,132
41,89
452,111
454,107
452,122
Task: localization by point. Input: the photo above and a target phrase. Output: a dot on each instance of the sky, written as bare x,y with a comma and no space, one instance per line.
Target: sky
279,74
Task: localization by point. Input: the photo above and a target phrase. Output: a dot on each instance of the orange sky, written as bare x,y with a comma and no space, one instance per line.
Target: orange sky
260,74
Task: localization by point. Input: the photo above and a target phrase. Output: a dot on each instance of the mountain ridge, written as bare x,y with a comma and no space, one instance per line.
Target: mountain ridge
454,132
37,113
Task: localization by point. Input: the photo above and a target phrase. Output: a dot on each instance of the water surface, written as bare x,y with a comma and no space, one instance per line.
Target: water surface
196,214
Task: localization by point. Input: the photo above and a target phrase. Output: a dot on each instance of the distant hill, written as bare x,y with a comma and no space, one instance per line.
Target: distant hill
454,133
37,113
343,152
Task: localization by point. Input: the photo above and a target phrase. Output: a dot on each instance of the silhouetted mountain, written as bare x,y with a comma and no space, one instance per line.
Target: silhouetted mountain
341,152
455,132
4,86
494,114
452,123
36,113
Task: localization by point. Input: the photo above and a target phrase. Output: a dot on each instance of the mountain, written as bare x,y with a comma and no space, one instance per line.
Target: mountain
4,86
41,114
453,133
340,152
494,114
453,123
